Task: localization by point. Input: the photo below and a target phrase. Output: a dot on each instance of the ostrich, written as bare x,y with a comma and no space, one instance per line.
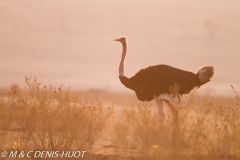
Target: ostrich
162,82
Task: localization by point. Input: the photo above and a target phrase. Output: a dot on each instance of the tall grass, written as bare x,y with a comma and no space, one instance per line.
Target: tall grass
208,130
42,117
139,129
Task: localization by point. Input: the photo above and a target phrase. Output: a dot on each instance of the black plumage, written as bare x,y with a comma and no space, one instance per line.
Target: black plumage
159,79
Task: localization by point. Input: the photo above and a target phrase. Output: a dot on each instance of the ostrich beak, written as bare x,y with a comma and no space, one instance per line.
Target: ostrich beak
116,39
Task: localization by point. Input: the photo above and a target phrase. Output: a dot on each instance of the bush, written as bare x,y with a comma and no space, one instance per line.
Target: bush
206,130
49,118
140,129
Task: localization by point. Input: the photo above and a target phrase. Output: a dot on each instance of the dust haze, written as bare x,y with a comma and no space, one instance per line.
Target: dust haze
71,42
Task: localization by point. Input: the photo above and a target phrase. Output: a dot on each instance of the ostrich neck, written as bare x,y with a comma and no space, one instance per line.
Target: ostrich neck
121,66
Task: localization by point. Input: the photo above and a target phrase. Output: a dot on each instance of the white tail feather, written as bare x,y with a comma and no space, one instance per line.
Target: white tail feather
205,74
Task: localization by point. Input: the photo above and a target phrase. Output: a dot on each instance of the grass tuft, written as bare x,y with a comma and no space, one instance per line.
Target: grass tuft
209,130
49,118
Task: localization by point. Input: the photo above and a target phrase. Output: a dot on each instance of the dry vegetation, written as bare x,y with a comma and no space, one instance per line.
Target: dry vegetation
206,131
50,119
43,117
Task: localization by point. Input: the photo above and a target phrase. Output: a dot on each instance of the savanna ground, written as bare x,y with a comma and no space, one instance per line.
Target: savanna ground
116,125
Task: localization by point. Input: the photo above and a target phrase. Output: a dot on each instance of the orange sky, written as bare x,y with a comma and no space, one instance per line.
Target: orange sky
70,42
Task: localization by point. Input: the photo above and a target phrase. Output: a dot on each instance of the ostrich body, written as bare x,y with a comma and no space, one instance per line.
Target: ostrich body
162,82
160,79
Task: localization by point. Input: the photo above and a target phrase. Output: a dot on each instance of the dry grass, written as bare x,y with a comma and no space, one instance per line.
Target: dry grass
48,118
208,130
41,117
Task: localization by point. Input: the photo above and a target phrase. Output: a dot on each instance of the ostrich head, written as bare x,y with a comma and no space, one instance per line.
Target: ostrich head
121,39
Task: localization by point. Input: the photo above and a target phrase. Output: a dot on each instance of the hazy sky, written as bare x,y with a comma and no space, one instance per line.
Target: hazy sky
70,42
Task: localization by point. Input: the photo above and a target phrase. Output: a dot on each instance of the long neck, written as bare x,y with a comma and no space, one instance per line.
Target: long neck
121,66
124,80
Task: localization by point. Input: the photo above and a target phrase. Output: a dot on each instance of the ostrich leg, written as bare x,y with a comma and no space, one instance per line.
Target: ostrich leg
160,108
175,128
174,111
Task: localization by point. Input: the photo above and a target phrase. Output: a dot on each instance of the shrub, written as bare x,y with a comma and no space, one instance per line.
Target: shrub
207,129
49,118
140,129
